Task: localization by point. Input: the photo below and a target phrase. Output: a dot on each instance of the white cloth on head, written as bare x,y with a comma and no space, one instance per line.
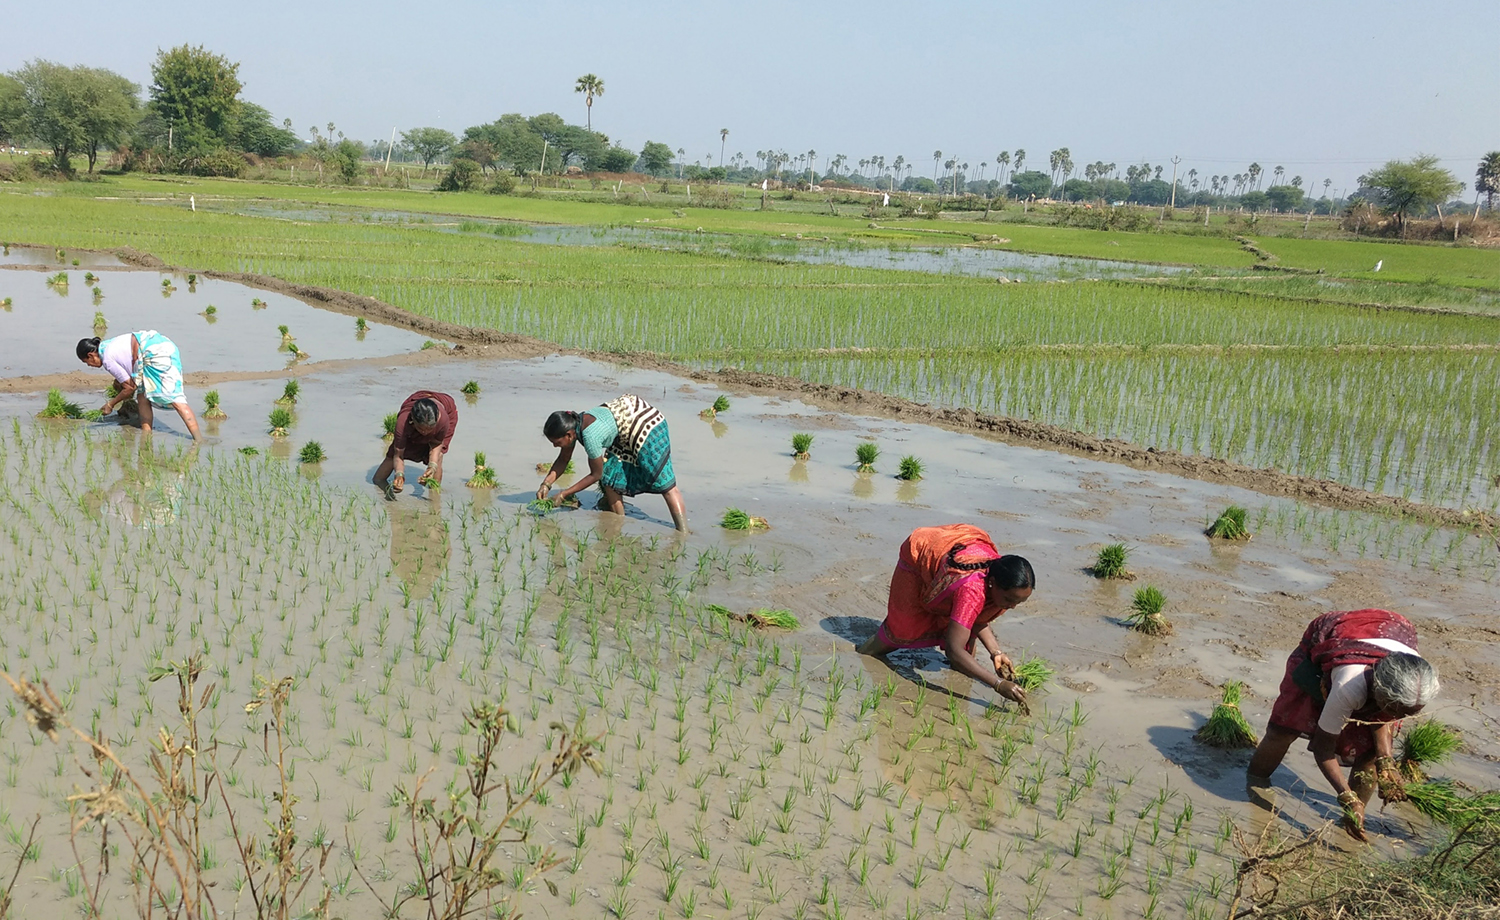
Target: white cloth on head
1347,693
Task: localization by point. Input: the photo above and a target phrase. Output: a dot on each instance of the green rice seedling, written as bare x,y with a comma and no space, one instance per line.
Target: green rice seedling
257,304
8,303
1033,673
1229,525
911,469
210,311
544,467
484,477
388,426
1442,801
801,444
1427,742
763,618
211,410
98,294
360,325
192,278
1146,612
429,481
286,333
1111,562
721,404
544,506
100,323
470,389
281,420
59,407
735,519
90,277
312,452
59,280
865,454
289,393
250,451
1226,726
297,353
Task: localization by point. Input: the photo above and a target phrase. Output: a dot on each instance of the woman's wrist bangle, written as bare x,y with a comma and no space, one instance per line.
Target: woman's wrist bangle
1350,797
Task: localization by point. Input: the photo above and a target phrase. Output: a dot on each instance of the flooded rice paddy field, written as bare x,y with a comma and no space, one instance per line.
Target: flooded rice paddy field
745,773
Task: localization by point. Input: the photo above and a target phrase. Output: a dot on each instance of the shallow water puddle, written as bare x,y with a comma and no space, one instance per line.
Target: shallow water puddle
61,259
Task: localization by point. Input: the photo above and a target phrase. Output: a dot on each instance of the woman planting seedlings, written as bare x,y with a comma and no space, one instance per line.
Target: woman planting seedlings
1354,676
629,451
424,430
950,583
147,365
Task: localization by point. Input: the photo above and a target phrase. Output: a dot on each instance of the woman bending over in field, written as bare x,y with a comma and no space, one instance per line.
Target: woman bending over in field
629,452
147,365
950,583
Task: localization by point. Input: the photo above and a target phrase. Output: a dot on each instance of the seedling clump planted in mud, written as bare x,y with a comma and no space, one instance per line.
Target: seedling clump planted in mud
1427,742
484,477
865,453
1226,726
801,444
471,388
543,506
388,424
1111,562
211,410
100,323
289,393
911,469
312,452
281,420
1229,525
1146,612
735,519
360,325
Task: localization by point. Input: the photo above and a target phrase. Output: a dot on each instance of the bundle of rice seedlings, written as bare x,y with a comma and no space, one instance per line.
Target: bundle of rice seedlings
801,443
7,303
1427,742
428,481
211,410
1111,562
1033,672
542,506
360,325
470,389
90,277
865,454
59,280
1145,612
312,452
1443,801
1229,525
257,304
388,425
289,393
910,469
98,295
60,407
92,415
544,467
735,519
210,311
484,477
192,278
100,323
1226,726
776,618
721,404
250,451
286,333
281,420
296,353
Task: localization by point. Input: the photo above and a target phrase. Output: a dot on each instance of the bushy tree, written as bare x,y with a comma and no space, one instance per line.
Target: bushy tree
616,160
346,158
1487,178
1254,200
12,109
462,176
256,133
1029,183
428,144
70,109
196,92
1406,187
1285,197
656,158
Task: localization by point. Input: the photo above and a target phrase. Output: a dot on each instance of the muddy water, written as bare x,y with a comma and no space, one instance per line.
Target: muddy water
45,320
745,761
49,258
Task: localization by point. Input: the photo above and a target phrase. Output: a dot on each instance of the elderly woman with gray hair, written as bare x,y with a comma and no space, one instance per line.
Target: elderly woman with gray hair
1354,676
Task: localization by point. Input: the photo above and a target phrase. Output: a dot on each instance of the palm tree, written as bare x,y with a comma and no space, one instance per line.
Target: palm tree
936,156
1002,160
1487,178
1253,175
723,138
900,161
681,158
1326,184
590,86
1278,172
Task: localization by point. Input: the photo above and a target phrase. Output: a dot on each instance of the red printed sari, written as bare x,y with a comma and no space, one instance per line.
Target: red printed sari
928,591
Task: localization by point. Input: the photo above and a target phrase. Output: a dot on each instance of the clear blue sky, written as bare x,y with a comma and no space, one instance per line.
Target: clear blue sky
1328,88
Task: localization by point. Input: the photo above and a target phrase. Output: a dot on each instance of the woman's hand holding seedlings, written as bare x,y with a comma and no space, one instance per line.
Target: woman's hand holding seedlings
1004,667
1011,691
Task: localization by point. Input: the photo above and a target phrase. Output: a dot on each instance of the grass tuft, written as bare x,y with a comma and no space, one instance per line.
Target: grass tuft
735,519
1226,726
1146,612
1229,525
910,469
1111,562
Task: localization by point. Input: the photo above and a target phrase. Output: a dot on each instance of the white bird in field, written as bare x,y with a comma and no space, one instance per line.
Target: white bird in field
1378,264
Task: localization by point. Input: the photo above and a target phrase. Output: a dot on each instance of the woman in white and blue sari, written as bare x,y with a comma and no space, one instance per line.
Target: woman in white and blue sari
146,365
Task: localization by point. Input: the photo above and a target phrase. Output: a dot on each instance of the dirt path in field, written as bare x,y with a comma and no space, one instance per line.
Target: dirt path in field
489,343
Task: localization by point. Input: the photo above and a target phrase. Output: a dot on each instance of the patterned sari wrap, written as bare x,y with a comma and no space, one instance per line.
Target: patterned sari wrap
928,591
1333,640
640,460
158,372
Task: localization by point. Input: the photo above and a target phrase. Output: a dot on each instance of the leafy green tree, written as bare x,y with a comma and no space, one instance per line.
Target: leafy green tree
478,150
12,109
616,160
428,144
1285,197
656,158
256,133
346,157
1255,200
590,86
1405,187
196,92
462,176
70,109
1030,183
1487,178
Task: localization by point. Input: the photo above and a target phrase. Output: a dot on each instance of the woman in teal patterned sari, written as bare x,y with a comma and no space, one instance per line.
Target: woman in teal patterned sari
146,365
629,451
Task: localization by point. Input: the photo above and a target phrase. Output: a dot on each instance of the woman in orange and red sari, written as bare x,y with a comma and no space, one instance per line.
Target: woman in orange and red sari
950,583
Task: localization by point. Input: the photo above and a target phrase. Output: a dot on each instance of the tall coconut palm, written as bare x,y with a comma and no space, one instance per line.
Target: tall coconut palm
1326,184
1018,159
590,86
1002,160
1487,178
937,155
1278,173
1252,175
723,139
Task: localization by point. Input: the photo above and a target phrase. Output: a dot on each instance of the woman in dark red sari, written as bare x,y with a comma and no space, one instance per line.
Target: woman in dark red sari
1354,676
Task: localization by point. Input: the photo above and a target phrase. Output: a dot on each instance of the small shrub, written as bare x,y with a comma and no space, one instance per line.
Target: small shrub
1146,612
735,519
1111,562
1229,525
504,184
865,454
801,444
1226,726
211,410
911,469
281,420
312,452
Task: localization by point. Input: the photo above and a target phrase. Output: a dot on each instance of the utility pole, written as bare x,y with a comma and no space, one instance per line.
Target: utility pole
1175,161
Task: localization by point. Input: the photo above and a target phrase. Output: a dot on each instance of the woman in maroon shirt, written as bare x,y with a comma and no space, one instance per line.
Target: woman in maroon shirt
424,429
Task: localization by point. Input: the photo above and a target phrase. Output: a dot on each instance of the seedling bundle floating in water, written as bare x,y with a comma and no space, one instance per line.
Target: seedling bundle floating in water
289,393
281,420
911,469
720,405
471,388
1111,562
735,519
1146,612
764,618
801,444
865,454
58,406
484,477
312,452
1226,726
211,410
1229,525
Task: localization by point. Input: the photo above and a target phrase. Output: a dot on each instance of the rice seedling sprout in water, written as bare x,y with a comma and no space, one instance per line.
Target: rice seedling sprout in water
484,477
289,393
1428,741
211,410
1226,726
281,420
801,444
865,454
312,452
1111,562
100,323
1033,672
910,469
735,519
1146,612
388,427
210,311
471,388
1229,525
360,325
